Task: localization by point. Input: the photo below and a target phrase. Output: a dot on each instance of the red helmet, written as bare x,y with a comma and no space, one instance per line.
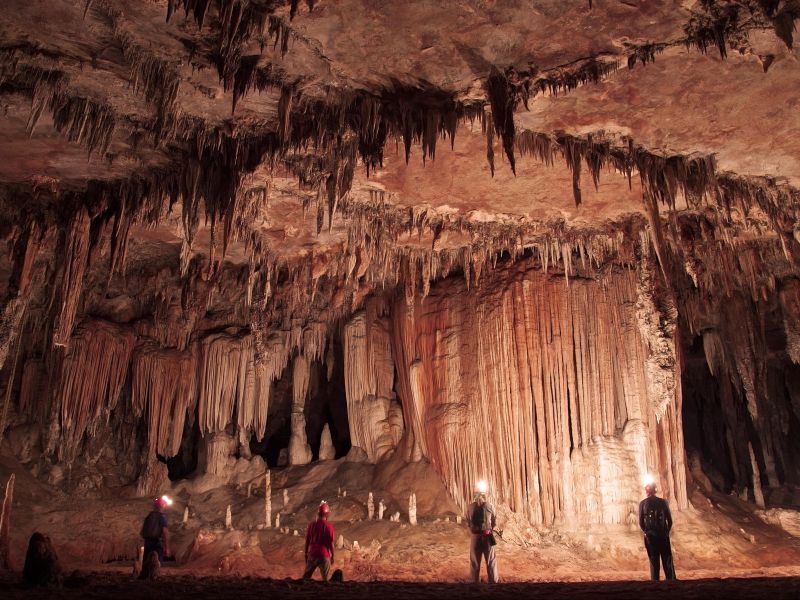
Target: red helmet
650,489
159,503
324,509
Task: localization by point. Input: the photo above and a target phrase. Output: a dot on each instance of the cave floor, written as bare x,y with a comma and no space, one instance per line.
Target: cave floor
176,587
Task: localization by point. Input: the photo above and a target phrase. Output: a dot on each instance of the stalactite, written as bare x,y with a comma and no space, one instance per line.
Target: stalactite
544,353
24,251
223,379
503,101
93,372
163,388
75,258
151,76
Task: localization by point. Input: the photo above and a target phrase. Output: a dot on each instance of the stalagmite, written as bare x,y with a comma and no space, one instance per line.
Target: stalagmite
395,518
758,493
185,515
412,509
278,521
340,542
326,449
138,561
285,498
299,450
370,507
381,510
5,524
228,518
267,500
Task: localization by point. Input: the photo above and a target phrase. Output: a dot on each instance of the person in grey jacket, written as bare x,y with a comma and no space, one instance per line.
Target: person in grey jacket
482,520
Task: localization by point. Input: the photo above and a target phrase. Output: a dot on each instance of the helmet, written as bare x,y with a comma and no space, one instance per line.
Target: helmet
159,503
324,509
650,488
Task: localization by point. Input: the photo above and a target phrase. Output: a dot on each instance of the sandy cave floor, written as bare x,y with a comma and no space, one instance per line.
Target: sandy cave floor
721,547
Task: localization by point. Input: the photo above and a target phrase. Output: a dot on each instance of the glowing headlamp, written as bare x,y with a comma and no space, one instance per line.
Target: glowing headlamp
482,486
648,480
166,500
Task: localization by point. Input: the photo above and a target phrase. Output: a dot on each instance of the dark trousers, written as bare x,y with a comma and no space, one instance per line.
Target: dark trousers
480,548
154,545
659,551
324,565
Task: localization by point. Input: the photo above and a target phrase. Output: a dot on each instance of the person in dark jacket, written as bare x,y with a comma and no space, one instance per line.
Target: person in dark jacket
482,520
655,520
155,530
319,544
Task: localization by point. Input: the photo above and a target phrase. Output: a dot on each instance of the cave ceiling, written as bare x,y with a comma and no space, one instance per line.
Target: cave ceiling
296,130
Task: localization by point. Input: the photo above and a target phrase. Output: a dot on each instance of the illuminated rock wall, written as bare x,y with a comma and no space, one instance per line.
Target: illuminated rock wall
546,389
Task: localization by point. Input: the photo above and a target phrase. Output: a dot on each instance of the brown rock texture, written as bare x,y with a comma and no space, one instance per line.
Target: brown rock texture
551,245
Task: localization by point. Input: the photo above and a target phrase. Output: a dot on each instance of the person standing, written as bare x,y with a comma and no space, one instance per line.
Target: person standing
155,530
655,520
482,521
319,544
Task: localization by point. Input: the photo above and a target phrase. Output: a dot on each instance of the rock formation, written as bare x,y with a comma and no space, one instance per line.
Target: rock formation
42,567
268,500
326,449
299,450
234,240
5,524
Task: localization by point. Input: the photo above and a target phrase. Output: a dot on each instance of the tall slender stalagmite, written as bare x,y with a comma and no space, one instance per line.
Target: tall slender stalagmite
267,500
5,524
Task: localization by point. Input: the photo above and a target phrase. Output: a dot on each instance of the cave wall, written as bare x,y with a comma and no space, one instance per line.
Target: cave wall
742,396
545,387
561,391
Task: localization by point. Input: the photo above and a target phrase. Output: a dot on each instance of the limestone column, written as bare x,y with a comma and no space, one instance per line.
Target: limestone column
299,450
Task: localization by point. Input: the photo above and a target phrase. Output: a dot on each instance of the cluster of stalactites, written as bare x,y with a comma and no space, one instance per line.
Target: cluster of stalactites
571,364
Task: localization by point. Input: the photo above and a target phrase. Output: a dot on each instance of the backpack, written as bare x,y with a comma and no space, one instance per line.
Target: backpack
655,518
480,518
152,526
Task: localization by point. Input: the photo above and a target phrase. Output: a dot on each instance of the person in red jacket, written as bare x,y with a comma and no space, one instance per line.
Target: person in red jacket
319,544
